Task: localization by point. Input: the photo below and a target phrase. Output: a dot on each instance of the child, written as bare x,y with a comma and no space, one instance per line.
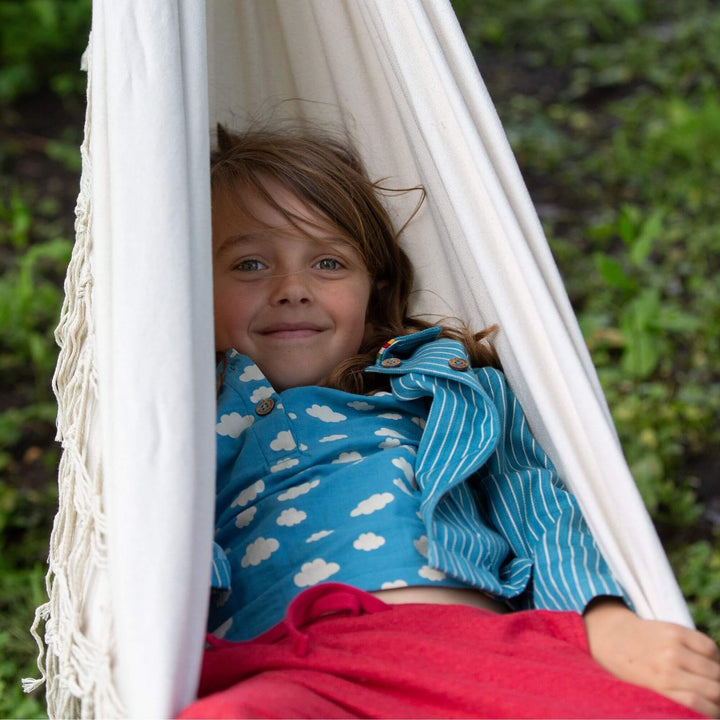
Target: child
382,507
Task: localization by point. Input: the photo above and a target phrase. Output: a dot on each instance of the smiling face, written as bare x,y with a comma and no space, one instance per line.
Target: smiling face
293,297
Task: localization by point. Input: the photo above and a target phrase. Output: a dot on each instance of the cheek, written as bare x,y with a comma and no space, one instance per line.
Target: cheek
231,308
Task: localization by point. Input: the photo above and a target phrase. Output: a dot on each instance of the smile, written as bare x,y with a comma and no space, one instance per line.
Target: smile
291,331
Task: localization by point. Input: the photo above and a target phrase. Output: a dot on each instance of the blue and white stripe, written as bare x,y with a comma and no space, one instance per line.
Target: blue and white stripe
497,514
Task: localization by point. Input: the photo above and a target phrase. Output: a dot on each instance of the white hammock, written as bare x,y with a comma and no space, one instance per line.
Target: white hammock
131,547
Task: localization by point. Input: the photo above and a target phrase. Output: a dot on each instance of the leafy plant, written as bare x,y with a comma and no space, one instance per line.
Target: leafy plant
40,44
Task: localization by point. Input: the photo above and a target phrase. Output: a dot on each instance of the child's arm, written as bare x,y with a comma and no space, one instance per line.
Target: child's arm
673,660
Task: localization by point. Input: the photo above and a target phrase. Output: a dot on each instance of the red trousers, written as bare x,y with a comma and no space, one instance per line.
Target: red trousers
342,653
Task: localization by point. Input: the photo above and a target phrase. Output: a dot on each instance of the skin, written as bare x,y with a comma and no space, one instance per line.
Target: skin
294,299
673,660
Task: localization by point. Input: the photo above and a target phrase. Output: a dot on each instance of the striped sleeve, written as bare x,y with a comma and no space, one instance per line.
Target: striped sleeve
220,579
529,505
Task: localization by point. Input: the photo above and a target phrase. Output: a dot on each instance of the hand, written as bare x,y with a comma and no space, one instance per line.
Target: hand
673,660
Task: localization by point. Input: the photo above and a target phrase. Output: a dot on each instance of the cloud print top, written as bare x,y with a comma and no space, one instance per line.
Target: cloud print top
317,484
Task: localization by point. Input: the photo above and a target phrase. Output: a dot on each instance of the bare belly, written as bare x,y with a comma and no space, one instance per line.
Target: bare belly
440,596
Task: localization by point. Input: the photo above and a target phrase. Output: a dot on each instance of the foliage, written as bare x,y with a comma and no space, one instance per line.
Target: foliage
32,261
613,111
41,42
698,567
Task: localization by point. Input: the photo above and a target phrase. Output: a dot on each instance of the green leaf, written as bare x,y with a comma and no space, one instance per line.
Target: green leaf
641,356
626,224
642,245
642,343
613,273
678,321
648,472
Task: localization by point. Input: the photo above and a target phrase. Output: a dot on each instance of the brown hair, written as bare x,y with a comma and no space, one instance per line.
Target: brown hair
328,174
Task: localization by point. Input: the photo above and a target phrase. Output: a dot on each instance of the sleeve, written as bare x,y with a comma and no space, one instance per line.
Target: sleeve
528,504
220,579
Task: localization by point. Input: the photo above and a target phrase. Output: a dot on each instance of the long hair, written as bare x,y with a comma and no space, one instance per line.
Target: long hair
329,175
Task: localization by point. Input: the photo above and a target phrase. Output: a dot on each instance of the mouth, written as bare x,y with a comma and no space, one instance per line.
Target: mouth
290,331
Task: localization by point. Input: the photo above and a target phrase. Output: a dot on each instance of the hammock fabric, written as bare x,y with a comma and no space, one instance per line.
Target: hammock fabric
130,552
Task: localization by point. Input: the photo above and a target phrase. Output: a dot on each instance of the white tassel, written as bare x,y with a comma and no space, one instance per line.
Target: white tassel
75,662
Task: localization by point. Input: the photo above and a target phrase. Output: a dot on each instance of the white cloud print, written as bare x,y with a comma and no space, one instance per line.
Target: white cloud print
406,467
431,573
284,464
262,393
421,545
375,502
258,551
325,413
283,441
244,518
298,490
221,631
393,584
251,372
360,405
311,573
348,457
400,483
387,432
389,443
233,424
368,541
319,535
290,517
332,438
248,494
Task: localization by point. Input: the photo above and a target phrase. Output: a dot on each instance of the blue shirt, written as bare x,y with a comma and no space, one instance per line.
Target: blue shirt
363,494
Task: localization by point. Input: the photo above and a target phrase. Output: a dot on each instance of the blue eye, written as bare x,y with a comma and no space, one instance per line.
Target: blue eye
328,264
250,265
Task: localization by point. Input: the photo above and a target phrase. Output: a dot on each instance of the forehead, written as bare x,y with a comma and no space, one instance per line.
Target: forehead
242,219
243,203
242,209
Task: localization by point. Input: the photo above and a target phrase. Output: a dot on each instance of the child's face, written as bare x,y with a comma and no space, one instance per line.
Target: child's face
293,301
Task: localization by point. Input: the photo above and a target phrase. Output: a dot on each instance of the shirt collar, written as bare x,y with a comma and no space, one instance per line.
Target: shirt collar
405,345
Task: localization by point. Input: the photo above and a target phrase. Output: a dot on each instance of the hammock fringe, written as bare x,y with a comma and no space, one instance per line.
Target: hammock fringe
75,657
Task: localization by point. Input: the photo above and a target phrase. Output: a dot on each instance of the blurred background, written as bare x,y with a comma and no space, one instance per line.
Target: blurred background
613,110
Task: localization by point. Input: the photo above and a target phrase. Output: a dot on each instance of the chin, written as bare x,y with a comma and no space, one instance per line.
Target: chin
297,382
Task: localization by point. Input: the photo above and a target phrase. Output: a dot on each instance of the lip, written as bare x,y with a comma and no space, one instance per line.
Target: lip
285,331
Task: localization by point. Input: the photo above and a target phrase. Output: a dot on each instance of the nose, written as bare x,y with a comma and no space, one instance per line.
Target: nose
290,289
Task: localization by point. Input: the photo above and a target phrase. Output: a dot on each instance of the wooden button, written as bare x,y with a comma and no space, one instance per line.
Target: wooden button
265,406
458,363
391,362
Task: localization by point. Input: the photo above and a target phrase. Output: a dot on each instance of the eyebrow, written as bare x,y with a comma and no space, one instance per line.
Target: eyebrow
232,241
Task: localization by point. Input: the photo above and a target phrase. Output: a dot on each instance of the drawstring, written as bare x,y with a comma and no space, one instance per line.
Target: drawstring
321,600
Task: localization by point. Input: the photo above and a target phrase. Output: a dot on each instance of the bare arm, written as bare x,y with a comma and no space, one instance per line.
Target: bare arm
677,662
